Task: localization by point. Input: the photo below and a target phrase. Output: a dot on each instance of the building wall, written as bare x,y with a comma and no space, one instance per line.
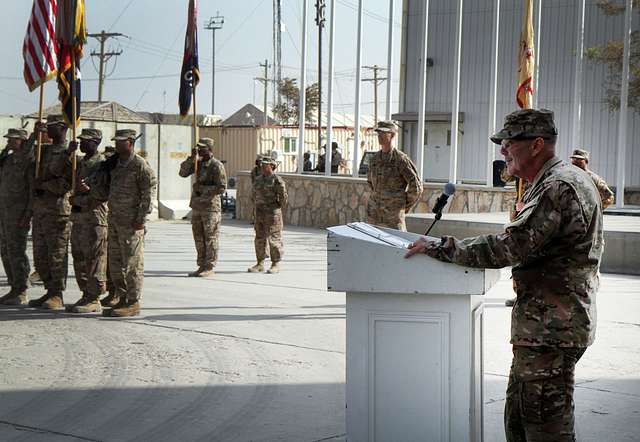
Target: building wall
556,78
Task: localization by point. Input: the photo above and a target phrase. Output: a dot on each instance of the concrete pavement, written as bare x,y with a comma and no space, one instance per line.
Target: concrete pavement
244,357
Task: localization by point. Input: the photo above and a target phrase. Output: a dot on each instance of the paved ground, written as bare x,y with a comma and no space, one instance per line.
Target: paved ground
253,357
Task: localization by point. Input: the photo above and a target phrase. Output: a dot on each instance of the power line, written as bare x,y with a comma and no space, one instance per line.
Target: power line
104,56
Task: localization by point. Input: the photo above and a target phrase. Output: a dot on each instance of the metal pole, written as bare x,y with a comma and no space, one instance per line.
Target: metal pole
356,129
624,106
389,59
577,83
303,86
455,99
266,90
332,29
101,74
213,72
375,94
536,75
422,94
493,94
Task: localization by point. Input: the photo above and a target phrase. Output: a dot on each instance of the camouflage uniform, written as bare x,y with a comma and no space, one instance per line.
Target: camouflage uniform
51,210
270,196
16,199
606,195
394,183
206,212
89,226
554,245
131,186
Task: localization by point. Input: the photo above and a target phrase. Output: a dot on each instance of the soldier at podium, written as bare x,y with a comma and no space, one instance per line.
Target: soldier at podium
554,245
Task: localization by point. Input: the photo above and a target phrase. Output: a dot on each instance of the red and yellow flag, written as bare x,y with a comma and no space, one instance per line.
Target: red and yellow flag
71,33
526,61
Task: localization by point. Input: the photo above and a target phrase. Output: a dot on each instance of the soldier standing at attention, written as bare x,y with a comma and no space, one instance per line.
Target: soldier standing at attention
51,210
130,185
269,196
16,200
206,212
580,158
554,245
89,224
393,180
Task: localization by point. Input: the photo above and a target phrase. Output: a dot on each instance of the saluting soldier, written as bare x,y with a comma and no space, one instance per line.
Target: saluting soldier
88,224
393,180
206,208
16,201
51,210
555,245
580,158
130,184
269,196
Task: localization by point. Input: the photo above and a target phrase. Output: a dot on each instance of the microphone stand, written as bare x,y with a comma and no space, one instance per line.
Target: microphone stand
437,218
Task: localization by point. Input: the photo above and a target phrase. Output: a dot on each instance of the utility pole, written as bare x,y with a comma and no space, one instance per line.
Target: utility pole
277,50
320,20
214,24
265,80
104,56
376,81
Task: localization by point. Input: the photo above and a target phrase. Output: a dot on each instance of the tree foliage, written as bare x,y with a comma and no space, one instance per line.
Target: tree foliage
288,112
610,53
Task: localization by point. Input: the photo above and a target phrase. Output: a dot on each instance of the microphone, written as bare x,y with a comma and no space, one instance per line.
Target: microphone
449,189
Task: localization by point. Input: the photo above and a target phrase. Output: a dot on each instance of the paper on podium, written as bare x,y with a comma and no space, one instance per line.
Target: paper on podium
376,233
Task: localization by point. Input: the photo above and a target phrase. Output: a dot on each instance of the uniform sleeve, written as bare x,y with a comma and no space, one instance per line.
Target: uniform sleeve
99,184
218,180
60,168
147,187
30,172
536,225
414,185
187,167
369,175
281,193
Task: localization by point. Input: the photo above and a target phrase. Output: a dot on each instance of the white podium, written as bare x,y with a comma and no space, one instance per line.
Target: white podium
414,338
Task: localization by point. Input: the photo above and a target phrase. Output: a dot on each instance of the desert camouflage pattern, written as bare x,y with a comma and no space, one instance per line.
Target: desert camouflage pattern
555,245
526,123
539,404
269,196
205,202
51,210
89,231
132,187
395,188
16,201
606,195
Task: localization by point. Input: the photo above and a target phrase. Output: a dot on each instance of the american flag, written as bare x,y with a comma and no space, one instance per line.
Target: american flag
40,50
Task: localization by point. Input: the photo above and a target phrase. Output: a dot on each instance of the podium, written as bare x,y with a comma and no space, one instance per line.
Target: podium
414,338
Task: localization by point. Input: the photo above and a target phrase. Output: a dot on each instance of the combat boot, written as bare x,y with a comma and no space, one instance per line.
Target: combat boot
110,300
41,300
258,268
205,273
8,295
275,268
130,308
196,273
121,303
81,301
54,302
14,299
91,305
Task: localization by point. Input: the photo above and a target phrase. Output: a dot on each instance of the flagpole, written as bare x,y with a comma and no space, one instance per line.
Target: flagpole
195,128
39,134
74,158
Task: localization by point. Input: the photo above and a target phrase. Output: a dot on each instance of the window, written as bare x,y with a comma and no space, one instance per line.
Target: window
290,145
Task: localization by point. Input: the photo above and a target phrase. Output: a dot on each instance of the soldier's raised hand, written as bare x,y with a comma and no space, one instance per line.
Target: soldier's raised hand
82,186
73,146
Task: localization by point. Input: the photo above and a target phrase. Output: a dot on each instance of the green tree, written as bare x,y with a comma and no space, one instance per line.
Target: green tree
288,112
609,54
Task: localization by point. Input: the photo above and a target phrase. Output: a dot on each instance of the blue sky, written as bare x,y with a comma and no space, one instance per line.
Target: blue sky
145,76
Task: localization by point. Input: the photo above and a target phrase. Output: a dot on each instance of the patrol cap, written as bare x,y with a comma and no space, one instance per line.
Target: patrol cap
580,154
205,142
90,134
21,134
109,149
268,160
526,123
386,126
53,119
124,134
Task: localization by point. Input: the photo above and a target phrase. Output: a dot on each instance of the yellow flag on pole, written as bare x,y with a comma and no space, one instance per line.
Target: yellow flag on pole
526,60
